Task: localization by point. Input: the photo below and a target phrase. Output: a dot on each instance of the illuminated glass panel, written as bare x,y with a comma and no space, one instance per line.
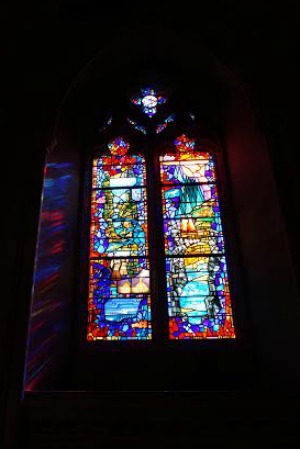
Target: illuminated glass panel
140,128
164,125
149,101
119,286
107,123
199,303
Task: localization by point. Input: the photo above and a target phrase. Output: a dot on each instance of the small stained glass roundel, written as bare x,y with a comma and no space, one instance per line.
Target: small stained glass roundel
149,99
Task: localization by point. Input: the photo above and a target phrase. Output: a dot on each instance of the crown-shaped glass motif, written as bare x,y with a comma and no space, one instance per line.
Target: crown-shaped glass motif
183,143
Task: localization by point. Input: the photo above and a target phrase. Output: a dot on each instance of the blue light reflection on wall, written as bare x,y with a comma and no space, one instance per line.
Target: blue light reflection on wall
47,319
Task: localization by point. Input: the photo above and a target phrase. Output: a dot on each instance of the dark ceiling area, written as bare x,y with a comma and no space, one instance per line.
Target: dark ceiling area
47,44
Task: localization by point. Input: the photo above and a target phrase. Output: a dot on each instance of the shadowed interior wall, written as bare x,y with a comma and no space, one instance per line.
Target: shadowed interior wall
269,278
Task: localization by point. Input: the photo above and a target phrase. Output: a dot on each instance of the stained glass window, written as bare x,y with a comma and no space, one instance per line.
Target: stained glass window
119,282
186,261
198,296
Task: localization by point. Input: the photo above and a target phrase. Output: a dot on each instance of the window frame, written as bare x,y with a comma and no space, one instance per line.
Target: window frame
156,354
151,146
